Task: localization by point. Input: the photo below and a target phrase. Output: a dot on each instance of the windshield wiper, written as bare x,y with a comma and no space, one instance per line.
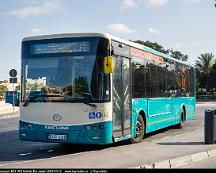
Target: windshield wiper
26,102
84,100
90,104
87,98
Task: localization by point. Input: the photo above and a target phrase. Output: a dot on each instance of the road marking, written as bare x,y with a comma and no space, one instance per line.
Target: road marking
24,154
28,161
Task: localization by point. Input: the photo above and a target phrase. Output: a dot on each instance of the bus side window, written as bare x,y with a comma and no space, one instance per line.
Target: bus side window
171,86
162,79
138,77
151,80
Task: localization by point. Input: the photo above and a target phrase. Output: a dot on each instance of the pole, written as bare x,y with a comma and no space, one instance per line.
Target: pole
13,99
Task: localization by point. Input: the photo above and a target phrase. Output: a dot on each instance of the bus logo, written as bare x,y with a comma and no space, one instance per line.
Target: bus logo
57,117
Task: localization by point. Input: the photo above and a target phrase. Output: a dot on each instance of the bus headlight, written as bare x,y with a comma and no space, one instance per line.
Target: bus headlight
88,127
94,127
101,126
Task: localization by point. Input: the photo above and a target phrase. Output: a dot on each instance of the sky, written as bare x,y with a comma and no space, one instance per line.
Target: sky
188,26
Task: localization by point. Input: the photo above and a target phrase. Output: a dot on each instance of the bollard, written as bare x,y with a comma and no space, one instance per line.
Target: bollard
210,126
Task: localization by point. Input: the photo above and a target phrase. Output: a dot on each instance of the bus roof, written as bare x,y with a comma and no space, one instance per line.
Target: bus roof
108,36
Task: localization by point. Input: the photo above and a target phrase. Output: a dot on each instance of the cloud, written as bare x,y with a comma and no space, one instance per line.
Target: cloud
135,3
120,28
197,43
158,2
180,45
186,2
36,31
130,3
48,7
154,30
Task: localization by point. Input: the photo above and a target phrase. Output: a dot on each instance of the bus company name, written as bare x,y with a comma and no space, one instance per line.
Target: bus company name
56,128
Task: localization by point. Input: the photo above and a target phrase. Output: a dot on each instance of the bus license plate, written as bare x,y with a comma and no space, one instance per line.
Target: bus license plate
57,137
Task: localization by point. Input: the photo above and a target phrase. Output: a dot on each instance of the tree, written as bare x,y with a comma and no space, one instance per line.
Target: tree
152,45
178,55
212,80
3,89
203,68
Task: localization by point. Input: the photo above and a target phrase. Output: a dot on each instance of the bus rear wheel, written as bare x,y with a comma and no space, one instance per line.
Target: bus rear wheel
181,123
140,130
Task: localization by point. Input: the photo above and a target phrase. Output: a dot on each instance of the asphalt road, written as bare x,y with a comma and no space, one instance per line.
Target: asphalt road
207,164
13,150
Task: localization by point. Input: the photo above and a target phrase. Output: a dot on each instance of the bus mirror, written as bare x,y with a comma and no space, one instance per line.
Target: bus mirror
108,64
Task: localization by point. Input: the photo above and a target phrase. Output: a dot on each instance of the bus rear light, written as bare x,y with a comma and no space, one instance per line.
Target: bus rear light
88,127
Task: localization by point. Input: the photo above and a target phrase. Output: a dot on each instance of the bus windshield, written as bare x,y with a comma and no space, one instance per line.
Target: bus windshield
69,70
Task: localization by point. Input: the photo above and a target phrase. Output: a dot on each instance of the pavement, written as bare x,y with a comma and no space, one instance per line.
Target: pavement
169,152
7,110
180,151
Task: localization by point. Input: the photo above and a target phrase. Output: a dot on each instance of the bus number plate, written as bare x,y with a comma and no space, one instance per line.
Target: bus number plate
57,137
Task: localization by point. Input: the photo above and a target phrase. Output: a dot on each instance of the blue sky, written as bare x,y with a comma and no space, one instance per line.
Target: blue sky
185,25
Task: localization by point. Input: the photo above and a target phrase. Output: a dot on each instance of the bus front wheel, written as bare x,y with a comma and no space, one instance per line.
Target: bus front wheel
140,130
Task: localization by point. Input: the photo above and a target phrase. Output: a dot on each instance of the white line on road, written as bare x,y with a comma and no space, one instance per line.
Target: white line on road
24,154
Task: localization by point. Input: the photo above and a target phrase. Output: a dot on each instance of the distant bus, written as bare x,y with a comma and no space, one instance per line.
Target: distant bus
9,97
95,88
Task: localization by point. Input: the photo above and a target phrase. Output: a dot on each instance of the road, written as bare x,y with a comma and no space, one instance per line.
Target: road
207,164
12,150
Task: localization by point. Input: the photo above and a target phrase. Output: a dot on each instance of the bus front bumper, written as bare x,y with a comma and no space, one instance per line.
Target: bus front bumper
97,133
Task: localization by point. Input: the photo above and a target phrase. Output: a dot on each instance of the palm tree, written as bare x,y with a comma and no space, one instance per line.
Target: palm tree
203,67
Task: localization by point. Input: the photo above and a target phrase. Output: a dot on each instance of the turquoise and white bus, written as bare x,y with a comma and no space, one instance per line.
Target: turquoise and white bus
95,88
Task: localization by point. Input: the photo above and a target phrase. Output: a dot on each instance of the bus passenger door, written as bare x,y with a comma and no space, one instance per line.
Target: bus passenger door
121,97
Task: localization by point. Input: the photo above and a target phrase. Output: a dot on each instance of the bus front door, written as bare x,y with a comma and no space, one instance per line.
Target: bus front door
121,97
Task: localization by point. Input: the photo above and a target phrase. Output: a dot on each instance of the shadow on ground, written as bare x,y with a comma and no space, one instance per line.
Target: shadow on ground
12,149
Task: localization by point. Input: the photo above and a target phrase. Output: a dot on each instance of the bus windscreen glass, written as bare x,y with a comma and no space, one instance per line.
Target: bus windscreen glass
68,71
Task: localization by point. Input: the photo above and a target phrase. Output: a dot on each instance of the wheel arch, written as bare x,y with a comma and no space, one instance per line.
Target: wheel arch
143,114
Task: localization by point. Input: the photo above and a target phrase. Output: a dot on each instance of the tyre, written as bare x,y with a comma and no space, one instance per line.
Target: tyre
140,131
181,124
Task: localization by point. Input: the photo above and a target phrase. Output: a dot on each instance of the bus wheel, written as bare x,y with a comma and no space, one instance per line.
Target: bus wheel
140,131
181,124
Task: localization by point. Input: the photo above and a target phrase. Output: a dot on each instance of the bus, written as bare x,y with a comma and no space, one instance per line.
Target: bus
12,97
96,88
